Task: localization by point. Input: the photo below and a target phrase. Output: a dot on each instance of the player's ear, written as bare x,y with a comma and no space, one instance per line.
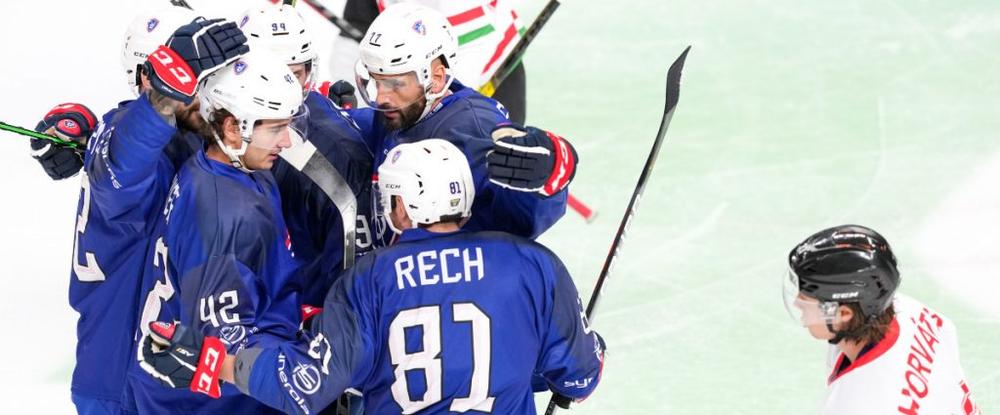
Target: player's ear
231,129
844,314
439,75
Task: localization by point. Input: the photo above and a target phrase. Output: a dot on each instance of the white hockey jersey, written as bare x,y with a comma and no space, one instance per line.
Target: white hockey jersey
914,370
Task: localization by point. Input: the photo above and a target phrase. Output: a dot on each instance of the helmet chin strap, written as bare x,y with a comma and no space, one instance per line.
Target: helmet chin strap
234,155
431,96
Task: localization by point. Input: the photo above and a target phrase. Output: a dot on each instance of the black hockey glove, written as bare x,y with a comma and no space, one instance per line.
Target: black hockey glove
180,357
342,94
193,52
70,122
529,159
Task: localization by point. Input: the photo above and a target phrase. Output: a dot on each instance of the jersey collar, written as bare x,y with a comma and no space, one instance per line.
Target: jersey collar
878,350
419,234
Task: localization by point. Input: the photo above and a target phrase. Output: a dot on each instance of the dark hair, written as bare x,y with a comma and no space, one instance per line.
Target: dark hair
864,330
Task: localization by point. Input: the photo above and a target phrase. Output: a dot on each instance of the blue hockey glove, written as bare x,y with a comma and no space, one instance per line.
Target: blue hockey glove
180,357
531,160
70,122
193,52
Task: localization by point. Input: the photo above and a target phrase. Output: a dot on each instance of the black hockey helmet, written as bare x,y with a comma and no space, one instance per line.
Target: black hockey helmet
846,264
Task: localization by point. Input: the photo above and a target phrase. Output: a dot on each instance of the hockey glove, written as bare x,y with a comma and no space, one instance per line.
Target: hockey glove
528,159
342,94
180,357
193,52
308,316
70,122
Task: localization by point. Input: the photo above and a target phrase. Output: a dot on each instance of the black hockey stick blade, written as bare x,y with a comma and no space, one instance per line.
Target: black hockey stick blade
673,94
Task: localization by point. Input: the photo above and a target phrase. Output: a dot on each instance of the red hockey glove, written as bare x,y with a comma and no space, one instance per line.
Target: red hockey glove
179,357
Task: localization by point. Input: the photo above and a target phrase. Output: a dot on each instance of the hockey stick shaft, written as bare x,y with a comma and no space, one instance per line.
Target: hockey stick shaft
33,134
673,89
512,60
346,28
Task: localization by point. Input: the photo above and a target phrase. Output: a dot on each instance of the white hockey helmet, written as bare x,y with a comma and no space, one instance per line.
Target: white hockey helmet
281,30
432,177
255,87
405,38
149,30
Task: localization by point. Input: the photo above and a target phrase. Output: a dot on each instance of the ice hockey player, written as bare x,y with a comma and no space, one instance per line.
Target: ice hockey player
127,170
894,355
314,222
461,319
487,33
404,74
222,264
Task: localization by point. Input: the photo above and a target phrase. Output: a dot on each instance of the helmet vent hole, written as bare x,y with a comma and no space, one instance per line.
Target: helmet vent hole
396,60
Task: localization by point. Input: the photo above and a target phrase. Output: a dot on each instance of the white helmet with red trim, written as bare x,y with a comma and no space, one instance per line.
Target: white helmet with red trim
406,38
147,31
433,179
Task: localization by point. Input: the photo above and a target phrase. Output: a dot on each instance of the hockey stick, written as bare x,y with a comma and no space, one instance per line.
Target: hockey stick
181,3
304,157
490,87
30,133
673,89
346,28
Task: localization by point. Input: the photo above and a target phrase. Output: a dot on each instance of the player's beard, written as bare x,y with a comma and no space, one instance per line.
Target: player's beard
189,119
408,116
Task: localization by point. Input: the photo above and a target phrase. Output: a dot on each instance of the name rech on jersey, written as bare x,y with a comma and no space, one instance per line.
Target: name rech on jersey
445,266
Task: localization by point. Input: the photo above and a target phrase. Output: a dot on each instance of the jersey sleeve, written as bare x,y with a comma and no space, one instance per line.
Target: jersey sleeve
338,352
572,354
122,162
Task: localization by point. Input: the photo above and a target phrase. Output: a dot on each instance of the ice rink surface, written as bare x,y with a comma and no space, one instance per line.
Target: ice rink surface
794,116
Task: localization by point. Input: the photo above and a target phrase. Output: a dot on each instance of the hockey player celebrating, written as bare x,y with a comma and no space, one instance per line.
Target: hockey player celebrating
222,264
444,321
404,74
314,222
894,355
126,173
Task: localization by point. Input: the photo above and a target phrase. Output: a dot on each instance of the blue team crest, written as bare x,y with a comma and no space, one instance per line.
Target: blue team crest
239,67
244,21
395,156
419,27
289,79
151,24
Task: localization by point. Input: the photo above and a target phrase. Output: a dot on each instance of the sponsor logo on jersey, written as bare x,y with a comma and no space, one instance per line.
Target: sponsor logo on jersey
239,67
306,378
232,334
151,24
292,393
579,384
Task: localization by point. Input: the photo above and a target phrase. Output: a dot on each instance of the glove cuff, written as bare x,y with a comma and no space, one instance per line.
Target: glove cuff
563,166
206,376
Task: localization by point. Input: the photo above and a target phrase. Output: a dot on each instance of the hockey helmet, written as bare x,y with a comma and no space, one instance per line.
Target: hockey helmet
432,177
840,265
147,31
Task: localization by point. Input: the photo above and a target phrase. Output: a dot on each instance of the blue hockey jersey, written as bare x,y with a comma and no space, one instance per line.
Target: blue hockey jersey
314,222
466,118
220,263
437,323
127,171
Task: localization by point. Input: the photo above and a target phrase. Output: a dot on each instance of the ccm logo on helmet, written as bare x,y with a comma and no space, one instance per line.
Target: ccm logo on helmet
842,296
